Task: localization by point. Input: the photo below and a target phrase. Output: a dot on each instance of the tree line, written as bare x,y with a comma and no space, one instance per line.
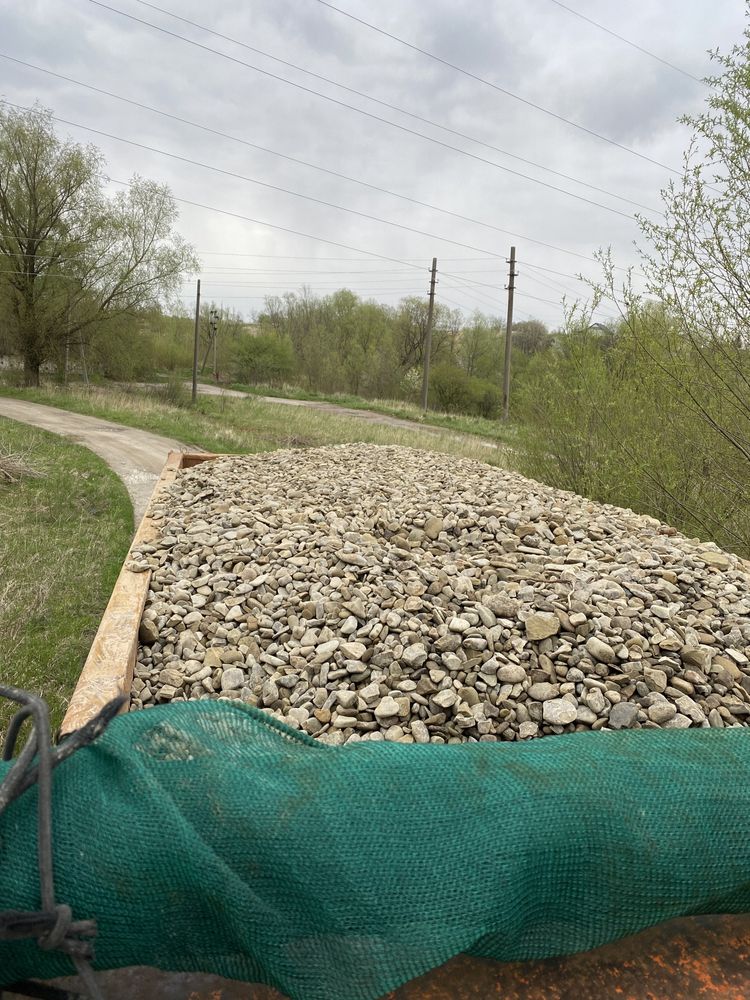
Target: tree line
341,343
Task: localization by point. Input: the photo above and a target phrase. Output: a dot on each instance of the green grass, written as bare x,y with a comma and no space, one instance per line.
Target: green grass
63,537
461,423
492,430
226,424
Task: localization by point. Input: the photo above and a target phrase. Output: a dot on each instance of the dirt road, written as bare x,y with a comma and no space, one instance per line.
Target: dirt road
335,410
136,456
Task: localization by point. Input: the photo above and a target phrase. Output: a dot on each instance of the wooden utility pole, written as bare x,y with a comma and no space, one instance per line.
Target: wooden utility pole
213,330
215,335
195,339
428,337
509,332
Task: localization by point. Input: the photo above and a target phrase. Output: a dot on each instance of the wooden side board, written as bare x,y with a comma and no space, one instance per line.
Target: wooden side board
108,670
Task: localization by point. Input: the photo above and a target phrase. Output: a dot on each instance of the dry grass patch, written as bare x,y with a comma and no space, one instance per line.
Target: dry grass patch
15,466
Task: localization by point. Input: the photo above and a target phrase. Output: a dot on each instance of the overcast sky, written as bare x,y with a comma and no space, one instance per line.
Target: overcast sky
534,49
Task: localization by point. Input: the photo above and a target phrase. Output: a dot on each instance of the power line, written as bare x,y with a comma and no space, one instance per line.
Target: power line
471,281
538,267
402,128
537,298
527,295
391,107
476,294
266,184
39,255
483,284
252,180
43,275
226,271
264,297
457,305
276,256
301,162
554,286
567,274
627,41
551,282
494,86
242,271
318,284
406,263
285,229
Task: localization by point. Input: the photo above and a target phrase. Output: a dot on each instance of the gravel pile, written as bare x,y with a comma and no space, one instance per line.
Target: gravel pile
369,593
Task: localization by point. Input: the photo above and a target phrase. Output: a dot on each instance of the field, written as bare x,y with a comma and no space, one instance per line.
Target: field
461,423
226,424
63,535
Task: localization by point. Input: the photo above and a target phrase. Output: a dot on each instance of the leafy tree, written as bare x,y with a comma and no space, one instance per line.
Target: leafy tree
411,331
451,389
694,344
264,359
698,263
74,258
530,336
300,316
479,347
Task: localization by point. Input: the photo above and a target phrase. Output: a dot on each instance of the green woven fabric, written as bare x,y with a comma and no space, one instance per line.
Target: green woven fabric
206,836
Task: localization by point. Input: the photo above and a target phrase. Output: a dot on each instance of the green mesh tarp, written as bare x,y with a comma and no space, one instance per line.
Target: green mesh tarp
208,837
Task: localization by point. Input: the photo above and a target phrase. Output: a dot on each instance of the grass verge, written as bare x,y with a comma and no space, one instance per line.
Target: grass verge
494,430
63,536
460,423
226,424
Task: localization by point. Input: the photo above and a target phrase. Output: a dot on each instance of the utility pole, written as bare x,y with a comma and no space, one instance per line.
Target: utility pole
195,340
215,337
428,337
508,332
213,320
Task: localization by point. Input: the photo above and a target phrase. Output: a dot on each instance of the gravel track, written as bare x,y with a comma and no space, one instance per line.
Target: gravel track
367,593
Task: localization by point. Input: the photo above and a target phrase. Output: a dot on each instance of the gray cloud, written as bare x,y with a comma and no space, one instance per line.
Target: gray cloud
535,49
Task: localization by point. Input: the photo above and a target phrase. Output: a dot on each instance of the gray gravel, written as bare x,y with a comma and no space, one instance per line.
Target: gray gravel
368,593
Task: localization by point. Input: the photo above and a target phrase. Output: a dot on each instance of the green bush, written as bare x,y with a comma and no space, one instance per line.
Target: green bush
605,420
12,377
121,351
454,391
487,399
450,388
264,359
